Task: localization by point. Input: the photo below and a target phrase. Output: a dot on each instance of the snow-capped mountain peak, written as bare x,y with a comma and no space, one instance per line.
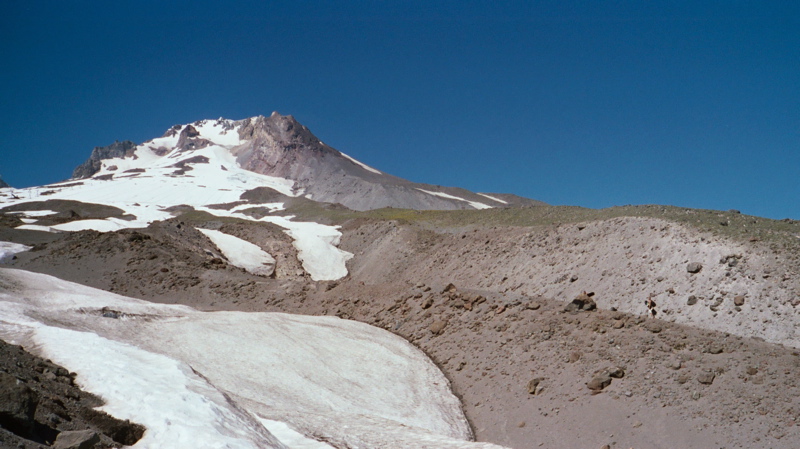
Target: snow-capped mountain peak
210,165
281,147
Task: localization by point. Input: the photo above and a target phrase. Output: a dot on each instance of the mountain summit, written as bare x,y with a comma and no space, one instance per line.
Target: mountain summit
281,147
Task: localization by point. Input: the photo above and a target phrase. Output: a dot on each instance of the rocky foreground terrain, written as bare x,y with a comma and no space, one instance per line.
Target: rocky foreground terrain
537,315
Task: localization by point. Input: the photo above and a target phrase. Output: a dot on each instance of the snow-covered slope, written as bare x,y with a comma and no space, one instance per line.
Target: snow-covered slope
281,147
241,253
328,379
191,165
213,162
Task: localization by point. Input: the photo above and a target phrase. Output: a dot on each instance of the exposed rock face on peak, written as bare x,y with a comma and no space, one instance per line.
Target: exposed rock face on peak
190,139
3,184
123,149
283,131
282,147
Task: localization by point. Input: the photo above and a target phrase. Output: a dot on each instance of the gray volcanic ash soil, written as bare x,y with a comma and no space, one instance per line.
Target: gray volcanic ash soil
531,369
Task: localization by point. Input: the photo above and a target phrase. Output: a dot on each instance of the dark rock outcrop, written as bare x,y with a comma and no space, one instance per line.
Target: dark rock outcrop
90,167
190,139
17,405
40,405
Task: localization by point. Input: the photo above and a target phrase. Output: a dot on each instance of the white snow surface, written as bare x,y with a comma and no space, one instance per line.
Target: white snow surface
474,204
154,186
34,213
241,253
104,225
8,249
157,187
206,379
493,198
178,407
315,243
292,437
363,165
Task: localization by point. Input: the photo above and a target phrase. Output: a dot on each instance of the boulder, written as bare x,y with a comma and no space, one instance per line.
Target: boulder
438,326
694,267
706,378
534,386
76,439
583,301
616,373
602,380
599,382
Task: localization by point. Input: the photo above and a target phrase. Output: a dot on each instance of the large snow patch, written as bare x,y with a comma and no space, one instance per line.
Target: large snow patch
241,253
193,377
9,249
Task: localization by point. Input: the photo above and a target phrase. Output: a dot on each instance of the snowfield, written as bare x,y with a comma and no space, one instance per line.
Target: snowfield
315,243
154,182
493,198
241,253
9,249
474,204
361,164
34,213
308,379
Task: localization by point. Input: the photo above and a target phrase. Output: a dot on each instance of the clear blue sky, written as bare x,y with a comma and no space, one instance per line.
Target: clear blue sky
595,104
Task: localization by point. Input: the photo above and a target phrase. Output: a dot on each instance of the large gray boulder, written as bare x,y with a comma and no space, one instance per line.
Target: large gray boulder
76,439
